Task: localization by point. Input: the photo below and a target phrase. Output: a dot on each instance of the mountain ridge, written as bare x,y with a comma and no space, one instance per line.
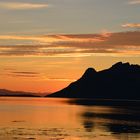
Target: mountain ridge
120,81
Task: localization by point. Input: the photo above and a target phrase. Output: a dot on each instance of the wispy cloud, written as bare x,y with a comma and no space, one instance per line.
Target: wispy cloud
21,5
78,45
131,25
36,75
58,79
48,39
23,74
133,2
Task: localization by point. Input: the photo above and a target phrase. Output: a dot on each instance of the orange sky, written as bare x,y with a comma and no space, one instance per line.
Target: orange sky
45,45
59,60
49,74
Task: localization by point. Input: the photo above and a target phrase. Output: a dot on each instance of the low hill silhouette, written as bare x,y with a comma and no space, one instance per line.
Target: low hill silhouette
121,81
5,92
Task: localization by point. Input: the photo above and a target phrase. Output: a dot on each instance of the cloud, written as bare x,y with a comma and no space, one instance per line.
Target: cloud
48,39
21,5
23,74
77,45
131,25
133,2
59,79
37,76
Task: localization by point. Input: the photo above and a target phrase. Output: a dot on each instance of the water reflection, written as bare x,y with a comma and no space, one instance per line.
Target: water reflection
122,128
88,121
68,119
104,102
122,121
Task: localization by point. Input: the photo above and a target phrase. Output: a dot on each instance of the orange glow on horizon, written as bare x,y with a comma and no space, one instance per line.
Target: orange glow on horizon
42,74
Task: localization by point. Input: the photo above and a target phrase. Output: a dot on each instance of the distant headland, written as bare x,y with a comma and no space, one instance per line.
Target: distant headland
5,92
121,81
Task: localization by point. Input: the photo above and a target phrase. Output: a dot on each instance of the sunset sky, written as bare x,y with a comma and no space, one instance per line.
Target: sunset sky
47,44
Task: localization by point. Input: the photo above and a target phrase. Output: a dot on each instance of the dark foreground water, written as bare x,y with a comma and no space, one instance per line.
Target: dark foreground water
66,119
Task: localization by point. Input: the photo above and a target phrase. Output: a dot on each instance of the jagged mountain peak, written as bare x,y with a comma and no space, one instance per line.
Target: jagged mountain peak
121,65
125,67
89,72
121,81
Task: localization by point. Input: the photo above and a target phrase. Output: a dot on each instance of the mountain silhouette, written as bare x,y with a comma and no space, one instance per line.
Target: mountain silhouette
121,81
5,92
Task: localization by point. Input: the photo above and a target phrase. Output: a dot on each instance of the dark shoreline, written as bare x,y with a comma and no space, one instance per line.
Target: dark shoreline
105,102
89,101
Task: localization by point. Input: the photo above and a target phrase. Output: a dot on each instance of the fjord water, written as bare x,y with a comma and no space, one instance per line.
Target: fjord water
24,118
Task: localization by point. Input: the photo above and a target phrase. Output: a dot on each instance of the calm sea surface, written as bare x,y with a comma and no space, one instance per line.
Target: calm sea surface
23,118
